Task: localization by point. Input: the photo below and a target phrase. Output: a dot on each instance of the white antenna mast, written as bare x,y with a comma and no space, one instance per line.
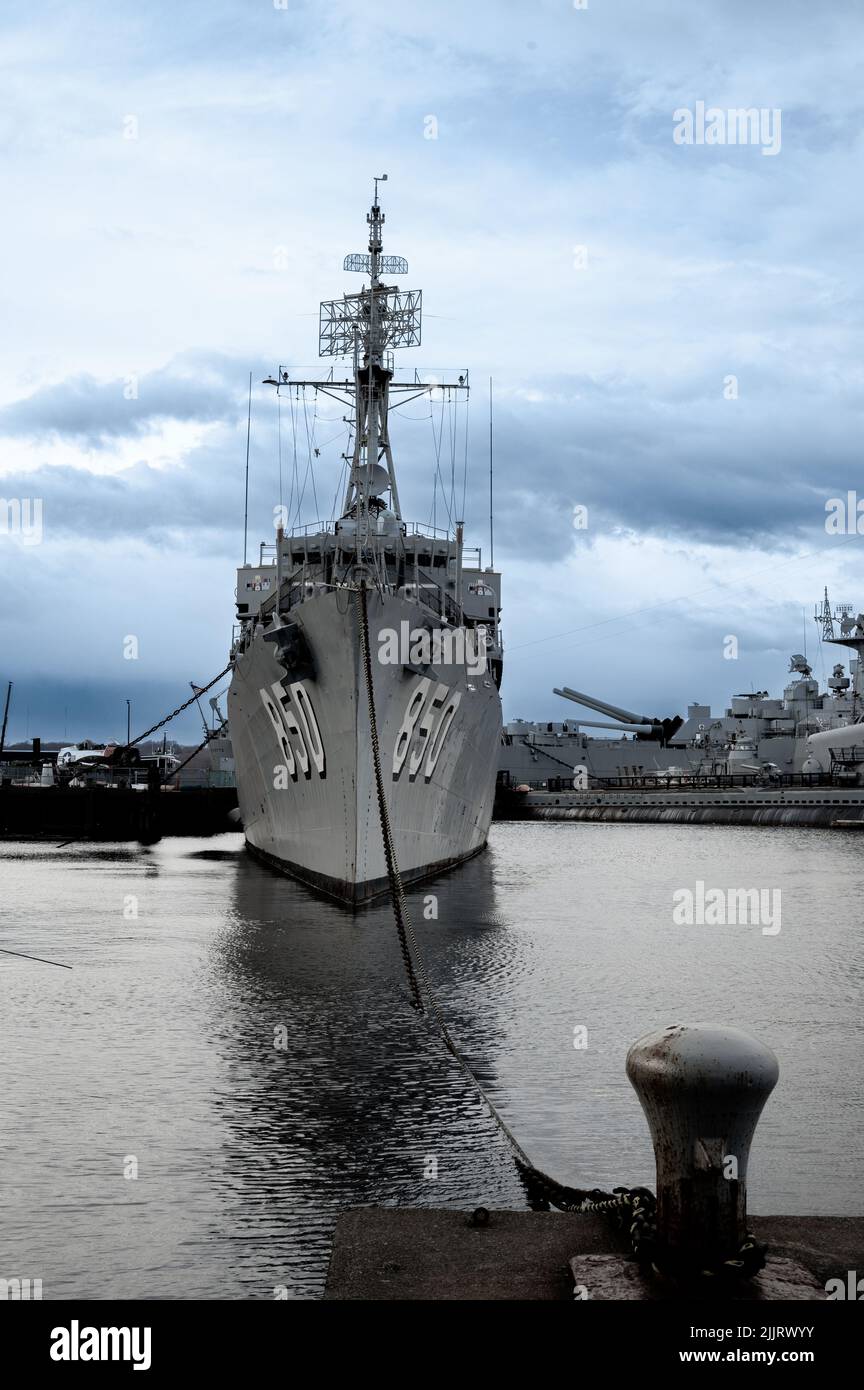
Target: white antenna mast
367,326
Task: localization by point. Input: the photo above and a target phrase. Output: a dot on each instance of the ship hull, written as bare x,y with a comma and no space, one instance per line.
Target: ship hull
303,752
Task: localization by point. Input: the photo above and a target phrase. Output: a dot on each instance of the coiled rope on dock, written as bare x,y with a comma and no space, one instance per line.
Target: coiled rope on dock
632,1210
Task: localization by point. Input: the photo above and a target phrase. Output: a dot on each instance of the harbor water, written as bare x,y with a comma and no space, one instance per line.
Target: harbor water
231,1060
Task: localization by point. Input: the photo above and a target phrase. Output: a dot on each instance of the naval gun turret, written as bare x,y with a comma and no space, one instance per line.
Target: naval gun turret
626,722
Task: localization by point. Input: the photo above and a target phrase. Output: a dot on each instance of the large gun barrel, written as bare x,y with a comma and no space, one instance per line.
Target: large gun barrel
625,716
661,729
619,728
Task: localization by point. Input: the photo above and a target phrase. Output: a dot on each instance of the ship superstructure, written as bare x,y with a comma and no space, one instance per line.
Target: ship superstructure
297,706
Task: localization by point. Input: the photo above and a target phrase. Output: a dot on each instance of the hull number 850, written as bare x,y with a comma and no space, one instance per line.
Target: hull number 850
425,724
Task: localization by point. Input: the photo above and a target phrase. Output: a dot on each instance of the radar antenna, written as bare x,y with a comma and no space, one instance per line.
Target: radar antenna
367,326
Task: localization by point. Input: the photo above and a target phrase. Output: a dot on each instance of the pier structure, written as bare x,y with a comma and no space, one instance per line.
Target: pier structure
702,1091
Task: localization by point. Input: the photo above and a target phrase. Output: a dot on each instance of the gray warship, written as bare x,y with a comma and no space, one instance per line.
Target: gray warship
806,731
366,597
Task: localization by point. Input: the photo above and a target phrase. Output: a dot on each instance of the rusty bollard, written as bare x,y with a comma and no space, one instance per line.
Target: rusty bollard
702,1090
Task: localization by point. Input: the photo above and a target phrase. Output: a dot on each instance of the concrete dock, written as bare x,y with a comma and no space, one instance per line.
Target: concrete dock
702,1090
387,1254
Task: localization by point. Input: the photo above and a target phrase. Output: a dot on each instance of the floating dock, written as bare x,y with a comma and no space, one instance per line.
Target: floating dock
826,806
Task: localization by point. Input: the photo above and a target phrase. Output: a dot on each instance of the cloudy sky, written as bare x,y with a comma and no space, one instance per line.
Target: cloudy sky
674,330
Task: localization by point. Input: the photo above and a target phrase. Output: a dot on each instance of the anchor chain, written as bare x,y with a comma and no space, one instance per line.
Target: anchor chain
199,690
397,892
411,952
633,1212
211,734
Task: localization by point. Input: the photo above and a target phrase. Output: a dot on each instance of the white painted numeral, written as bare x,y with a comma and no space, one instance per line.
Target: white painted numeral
406,728
431,731
280,731
441,733
426,725
292,724
295,716
311,732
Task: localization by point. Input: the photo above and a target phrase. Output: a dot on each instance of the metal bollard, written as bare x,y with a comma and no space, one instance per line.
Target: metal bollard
702,1090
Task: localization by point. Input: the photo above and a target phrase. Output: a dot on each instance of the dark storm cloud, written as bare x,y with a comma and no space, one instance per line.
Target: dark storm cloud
758,469
701,470
194,387
202,500
140,502
554,133
199,495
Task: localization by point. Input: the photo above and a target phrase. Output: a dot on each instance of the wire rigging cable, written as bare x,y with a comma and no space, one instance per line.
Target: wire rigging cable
437,476
454,451
465,462
294,455
279,445
310,444
339,486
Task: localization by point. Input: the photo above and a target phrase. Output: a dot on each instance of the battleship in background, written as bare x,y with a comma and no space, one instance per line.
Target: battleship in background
804,732
298,712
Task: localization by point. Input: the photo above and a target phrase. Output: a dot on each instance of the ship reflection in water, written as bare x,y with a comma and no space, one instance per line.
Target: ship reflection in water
249,1051
335,1093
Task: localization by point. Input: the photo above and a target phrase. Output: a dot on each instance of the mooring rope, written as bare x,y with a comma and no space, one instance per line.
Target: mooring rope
411,953
632,1210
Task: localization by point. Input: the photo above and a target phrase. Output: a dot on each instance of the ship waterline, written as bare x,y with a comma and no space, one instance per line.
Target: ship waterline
303,751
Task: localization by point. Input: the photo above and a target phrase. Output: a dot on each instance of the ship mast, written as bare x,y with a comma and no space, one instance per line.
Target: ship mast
366,327
372,470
